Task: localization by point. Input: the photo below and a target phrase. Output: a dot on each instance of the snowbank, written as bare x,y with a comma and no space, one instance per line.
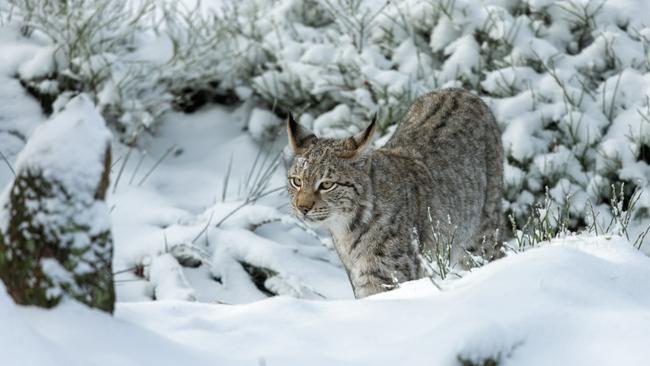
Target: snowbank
578,301
575,301
73,335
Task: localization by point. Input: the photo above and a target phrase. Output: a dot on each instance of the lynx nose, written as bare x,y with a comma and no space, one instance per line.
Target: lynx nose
304,209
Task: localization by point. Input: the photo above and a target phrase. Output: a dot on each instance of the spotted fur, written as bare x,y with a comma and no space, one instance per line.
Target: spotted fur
444,158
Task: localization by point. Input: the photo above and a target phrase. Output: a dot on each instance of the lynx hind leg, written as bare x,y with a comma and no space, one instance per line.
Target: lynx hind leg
484,246
486,243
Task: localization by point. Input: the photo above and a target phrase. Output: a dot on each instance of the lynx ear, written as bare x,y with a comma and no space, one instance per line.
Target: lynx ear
359,142
299,137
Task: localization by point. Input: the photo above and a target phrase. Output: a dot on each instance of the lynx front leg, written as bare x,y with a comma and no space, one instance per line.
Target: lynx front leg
382,267
368,290
370,278
371,286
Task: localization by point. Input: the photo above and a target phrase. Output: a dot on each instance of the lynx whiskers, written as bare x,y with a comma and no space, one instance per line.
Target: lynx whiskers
444,158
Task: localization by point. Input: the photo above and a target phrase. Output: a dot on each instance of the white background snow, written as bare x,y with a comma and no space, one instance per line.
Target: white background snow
579,300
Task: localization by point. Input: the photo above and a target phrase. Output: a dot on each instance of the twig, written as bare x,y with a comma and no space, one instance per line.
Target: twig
119,173
169,151
205,228
8,163
225,181
137,167
116,162
246,203
638,243
129,269
117,282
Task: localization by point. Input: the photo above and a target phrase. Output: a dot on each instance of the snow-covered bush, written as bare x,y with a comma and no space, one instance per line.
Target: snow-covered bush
569,81
136,60
55,232
205,60
92,49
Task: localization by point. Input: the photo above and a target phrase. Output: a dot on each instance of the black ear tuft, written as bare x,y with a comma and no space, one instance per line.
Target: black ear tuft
299,137
361,140
292,126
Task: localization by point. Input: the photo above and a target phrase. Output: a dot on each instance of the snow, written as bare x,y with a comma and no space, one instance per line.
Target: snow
263,124
463,57
75,335
329,123
59,276
19,113
41,65
166,275
580,300
54,147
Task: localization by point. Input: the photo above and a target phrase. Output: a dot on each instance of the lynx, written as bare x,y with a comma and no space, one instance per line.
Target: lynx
443,164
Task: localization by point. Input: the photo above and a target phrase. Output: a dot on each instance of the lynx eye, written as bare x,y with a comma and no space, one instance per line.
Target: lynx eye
326,186
295,182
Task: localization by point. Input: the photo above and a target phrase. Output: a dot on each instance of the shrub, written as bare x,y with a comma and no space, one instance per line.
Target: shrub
566,80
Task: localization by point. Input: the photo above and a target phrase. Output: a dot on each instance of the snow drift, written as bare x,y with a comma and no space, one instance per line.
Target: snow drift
574,301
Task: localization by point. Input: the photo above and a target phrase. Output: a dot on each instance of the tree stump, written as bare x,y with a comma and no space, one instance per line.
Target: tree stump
55,232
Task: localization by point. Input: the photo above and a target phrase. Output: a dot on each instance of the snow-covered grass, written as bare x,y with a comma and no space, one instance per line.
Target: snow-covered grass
241,250
567,80
135,59
576,301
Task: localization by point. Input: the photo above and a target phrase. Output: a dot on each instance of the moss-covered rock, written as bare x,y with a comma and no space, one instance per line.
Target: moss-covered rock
55,240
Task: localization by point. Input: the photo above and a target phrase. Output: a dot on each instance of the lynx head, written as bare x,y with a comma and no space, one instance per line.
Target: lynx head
327,179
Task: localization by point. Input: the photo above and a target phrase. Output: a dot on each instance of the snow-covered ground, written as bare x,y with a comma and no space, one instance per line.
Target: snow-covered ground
576,301
177,208
581,300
